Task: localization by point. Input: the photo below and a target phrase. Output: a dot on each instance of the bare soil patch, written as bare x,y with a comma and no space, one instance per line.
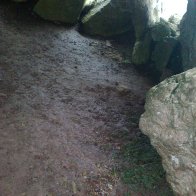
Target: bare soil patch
62,99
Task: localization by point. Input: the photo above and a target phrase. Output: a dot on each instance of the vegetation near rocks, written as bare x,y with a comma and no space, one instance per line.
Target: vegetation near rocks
141,169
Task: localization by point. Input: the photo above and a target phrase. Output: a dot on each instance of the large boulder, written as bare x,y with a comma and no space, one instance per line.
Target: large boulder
108,18
188,36
169,121
66,11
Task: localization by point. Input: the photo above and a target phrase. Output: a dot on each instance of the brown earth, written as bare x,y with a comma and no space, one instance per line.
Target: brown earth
61,98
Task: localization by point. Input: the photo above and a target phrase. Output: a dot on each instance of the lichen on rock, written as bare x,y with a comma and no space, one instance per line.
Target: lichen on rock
169,121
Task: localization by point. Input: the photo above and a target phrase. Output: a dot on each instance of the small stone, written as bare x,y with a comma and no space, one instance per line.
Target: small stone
110,186
108,43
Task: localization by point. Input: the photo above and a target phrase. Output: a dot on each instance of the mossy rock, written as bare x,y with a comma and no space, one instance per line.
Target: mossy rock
107,19
66,11
162,30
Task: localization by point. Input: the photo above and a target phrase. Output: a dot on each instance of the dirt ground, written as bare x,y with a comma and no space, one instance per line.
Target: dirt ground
61,97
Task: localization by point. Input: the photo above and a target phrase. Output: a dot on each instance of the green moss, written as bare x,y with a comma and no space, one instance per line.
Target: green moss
144,171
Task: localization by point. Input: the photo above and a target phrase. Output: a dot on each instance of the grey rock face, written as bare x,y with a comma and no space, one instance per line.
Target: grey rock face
169,121
188,36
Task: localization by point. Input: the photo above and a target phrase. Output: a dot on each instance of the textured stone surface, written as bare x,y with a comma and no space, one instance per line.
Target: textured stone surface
162,53
66,11
162,30
169,121
188,36
142,50
111,17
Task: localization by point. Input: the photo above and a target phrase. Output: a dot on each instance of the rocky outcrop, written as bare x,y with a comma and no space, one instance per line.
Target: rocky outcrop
66,11
169,121
188,36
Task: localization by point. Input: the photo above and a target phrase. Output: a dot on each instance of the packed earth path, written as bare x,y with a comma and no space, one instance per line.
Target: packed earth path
62,96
